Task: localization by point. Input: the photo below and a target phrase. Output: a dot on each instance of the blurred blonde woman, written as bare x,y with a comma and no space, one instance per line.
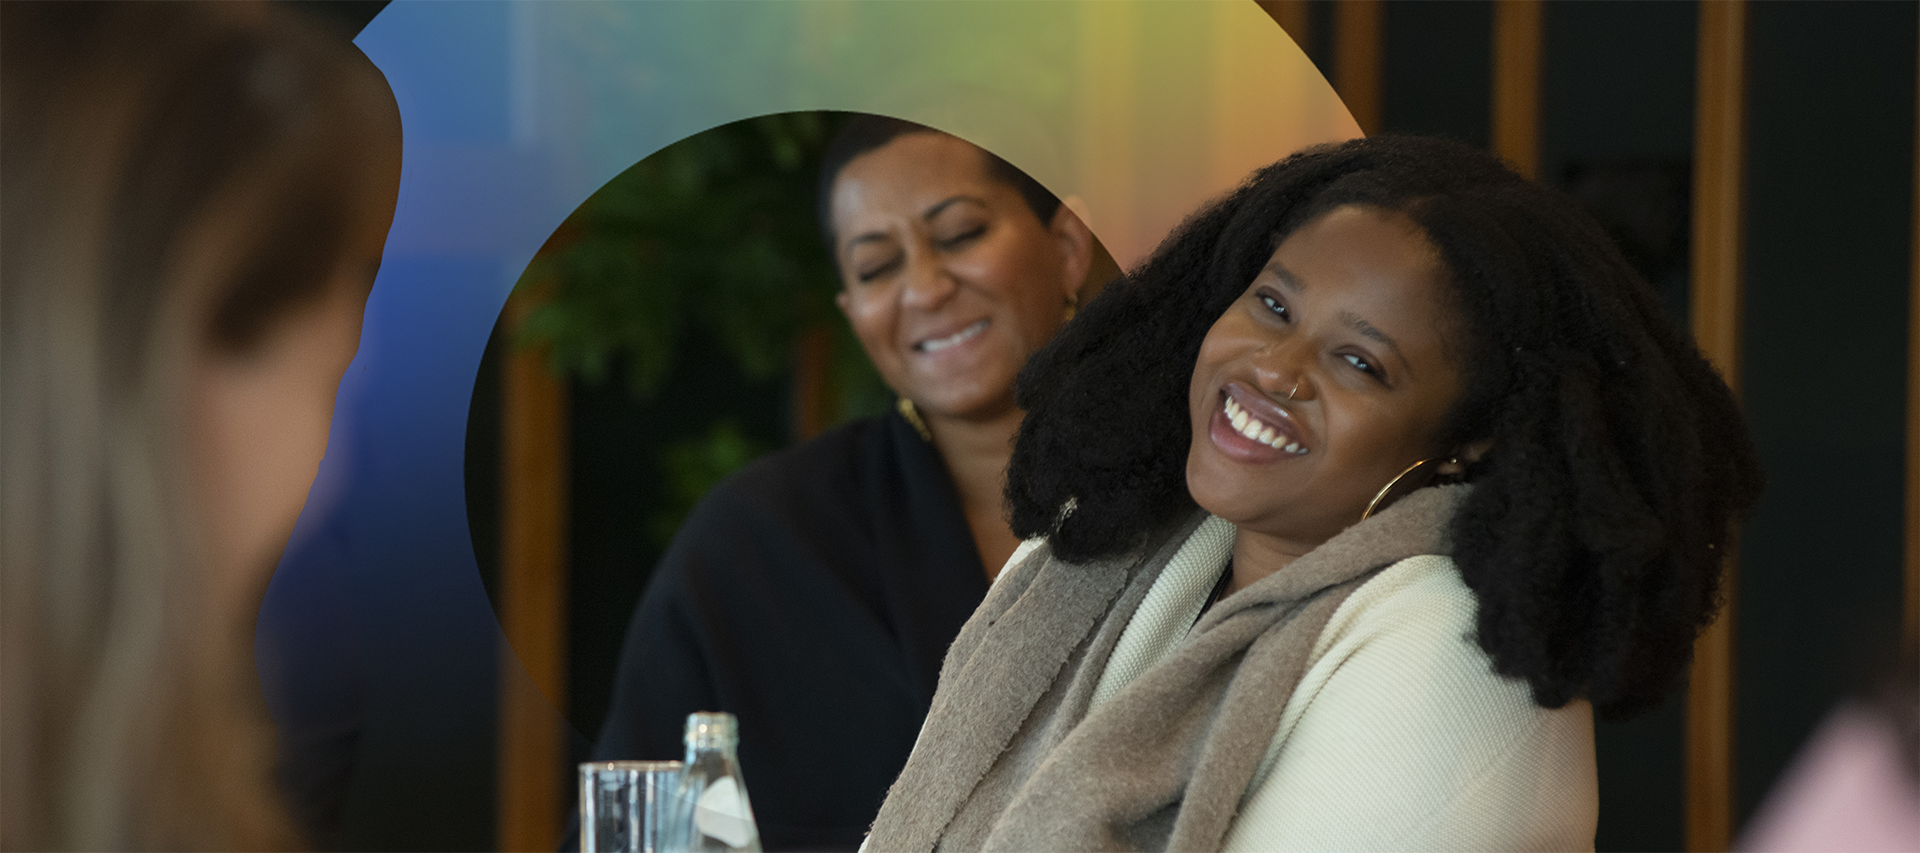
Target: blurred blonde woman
193,201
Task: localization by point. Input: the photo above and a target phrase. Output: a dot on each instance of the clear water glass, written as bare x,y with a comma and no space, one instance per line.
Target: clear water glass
627,806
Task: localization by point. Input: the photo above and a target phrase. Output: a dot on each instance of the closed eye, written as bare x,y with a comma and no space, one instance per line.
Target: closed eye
867,275
963,238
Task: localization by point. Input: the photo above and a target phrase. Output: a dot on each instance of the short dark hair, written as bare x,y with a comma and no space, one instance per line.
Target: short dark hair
864,132
1594,537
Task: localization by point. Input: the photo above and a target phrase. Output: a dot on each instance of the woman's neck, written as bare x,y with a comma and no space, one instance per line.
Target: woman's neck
1257,555
976,452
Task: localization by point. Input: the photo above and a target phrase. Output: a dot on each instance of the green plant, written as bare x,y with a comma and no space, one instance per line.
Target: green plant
714,235
691,467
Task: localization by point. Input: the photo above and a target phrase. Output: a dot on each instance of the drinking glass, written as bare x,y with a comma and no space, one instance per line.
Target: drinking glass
626,806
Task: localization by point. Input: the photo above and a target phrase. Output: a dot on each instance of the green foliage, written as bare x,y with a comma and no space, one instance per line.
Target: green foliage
693,466
712,238
714,235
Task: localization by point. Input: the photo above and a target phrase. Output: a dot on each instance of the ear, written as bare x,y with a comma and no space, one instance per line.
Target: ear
1467,455
1076,247
842,299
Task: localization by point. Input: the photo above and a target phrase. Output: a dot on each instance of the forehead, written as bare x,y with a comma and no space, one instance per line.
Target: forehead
1361,248
1378,263
1366,242
907,176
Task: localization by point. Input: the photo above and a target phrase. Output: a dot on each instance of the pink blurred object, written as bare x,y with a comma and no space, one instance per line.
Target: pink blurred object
1849,790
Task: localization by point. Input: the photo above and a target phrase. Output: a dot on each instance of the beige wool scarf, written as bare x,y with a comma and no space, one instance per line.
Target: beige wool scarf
1015,757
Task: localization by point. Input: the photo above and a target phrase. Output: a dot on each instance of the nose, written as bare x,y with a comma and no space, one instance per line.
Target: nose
1283,370
927,282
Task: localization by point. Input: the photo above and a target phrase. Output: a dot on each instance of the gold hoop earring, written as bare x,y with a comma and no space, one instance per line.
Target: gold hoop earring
1073,305
1380,498
912,415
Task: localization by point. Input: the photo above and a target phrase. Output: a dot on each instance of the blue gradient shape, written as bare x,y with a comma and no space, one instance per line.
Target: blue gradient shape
378,648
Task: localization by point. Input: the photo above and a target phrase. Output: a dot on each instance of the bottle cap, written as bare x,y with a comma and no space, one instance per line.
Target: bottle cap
712,728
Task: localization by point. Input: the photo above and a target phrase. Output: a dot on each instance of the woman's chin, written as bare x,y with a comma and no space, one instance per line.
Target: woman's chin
1220,492
1252,502
972,396
1234,508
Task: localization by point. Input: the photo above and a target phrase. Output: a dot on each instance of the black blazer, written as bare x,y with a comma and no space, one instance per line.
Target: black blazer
813,595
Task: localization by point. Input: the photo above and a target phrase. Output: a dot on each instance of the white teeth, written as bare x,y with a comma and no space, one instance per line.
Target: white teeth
961,336
1253,428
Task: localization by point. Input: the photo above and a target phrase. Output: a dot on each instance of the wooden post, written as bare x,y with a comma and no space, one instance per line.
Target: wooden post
1516,84
812,387
533,591
1718,175
1356,60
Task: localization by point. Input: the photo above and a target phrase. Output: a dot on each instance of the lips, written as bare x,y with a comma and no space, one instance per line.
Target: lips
973,330
1260,431
1250,415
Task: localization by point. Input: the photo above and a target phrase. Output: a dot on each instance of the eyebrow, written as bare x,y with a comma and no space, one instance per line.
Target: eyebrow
1286,276
869,237
949,201
1373,333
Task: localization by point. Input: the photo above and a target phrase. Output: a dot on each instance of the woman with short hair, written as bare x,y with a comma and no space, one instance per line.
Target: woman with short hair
814,593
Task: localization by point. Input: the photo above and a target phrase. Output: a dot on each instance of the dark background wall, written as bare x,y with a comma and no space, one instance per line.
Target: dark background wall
1829,232
1829,227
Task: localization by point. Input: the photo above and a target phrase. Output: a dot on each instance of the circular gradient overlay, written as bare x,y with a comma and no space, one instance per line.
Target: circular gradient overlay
376,630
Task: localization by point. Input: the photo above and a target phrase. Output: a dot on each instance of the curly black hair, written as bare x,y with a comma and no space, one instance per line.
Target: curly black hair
1620,461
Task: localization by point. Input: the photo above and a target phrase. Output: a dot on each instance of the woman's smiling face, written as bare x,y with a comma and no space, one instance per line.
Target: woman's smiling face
1329,376
948,279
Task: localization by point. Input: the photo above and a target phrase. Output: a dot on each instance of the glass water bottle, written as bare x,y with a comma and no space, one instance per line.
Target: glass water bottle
712,793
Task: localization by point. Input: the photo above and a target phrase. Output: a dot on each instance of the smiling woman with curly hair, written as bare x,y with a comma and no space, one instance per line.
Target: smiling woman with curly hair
1348,508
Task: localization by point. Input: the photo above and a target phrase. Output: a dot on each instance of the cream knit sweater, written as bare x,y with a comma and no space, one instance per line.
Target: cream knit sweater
1399,736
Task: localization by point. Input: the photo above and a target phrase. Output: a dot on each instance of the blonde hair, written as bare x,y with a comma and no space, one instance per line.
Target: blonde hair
173,178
